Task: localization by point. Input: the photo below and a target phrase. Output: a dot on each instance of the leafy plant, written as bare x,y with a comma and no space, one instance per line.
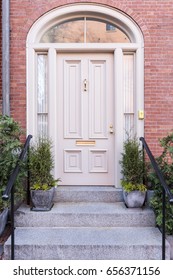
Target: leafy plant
41,163
165,162
132,166
10,147
129,187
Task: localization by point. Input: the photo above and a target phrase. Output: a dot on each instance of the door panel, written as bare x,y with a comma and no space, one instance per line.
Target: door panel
98,161
97,99
85,114
73,161
72,99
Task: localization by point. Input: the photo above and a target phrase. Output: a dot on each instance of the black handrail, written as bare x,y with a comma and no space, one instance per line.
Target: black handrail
165,191
9,191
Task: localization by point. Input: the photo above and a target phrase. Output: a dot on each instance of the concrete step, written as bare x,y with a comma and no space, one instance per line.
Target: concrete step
87,222
113,243
86,214
88,194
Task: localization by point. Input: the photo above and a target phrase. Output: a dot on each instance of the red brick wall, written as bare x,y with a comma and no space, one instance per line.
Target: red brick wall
155,19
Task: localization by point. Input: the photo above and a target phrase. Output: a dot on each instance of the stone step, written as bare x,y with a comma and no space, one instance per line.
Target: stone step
86,214
87,222
88,194
113,243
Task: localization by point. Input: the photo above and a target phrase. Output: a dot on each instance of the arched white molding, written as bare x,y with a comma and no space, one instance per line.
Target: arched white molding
55,16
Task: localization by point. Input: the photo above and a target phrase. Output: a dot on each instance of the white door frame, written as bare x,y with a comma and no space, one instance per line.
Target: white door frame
34,47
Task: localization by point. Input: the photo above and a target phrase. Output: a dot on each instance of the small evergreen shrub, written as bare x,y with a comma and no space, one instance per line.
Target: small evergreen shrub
41,163
132,165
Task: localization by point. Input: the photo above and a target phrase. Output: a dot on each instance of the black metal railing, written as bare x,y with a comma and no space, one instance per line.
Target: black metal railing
165,191
9,191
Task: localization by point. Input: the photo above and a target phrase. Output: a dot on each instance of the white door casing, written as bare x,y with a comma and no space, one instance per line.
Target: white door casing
85,150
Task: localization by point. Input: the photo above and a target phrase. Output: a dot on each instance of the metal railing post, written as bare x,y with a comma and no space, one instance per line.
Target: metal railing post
12,223
163,223
28,177
143,156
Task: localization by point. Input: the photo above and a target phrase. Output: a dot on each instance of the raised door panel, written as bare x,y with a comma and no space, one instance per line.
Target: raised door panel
98,161
73,161
97,99
72,99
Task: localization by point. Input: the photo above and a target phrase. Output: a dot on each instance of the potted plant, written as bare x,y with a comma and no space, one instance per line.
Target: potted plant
10,147
132,164
42,183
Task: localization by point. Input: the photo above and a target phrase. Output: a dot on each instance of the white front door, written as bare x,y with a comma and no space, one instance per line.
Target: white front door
85,125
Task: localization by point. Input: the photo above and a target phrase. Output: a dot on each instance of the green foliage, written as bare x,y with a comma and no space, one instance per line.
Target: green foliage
41,163
45,187
3,204
132,163
156,203
129,187
165,162
10,147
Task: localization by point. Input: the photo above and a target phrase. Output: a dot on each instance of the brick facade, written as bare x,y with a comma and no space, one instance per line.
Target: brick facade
155,20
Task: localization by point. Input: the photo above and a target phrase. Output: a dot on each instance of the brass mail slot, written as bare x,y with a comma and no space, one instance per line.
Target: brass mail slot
85,142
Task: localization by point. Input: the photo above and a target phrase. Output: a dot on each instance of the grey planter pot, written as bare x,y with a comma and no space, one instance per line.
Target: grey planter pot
3,220
42,200
134,199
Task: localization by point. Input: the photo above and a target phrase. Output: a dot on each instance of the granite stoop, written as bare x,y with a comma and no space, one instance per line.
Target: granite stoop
87,222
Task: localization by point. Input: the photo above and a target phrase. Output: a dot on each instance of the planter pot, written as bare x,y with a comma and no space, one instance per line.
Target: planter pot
134,199
42,200
3,220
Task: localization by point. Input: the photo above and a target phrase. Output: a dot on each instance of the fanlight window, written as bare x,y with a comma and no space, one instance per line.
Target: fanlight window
84,30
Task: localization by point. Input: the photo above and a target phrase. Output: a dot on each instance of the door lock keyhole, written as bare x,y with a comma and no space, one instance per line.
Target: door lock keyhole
85,85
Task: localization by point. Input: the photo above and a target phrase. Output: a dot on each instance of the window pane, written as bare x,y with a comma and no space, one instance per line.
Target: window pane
42,83
42,94
128,83
104,32
110,27
81,30
128,89
67,32
42,124
129,126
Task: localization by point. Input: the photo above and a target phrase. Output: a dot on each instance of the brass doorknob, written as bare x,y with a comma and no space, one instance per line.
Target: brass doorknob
111,129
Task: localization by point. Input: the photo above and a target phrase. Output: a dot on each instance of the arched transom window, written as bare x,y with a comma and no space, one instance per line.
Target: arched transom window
84,30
